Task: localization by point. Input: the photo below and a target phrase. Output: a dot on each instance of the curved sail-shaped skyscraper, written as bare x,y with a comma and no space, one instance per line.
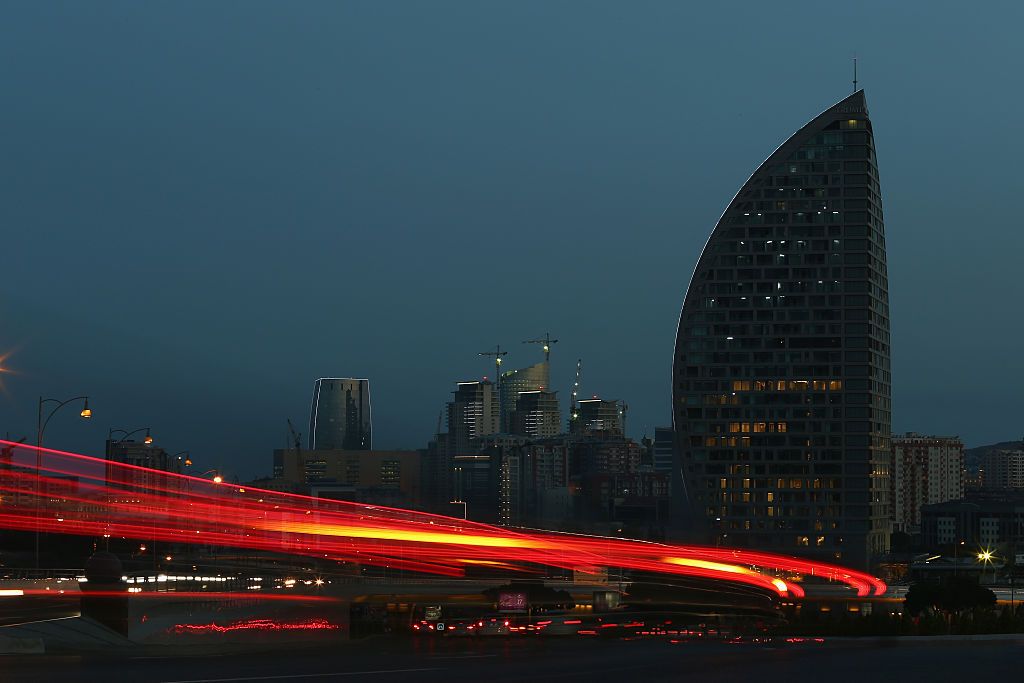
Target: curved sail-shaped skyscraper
781,376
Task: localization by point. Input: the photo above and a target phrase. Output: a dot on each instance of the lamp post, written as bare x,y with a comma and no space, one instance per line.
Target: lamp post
41,424
985,557
216,476
217,479
125,434
185,457
956,557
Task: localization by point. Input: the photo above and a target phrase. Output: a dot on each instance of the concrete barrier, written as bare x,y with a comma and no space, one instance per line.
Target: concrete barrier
21,646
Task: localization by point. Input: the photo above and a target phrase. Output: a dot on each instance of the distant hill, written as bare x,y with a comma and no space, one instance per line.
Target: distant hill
972,456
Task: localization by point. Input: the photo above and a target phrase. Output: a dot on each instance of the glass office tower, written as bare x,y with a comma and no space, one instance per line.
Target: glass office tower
781,376
340,415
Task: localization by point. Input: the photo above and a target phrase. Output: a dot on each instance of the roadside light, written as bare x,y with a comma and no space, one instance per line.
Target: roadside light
142,548
148,440
86,413
218,479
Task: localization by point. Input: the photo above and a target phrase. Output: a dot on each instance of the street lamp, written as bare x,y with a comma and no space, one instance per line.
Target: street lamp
184,457
216,476
85,413
986,557
41,424
956,557
148,440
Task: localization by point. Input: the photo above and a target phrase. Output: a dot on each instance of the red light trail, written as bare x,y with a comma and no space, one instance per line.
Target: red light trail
256,625
65,493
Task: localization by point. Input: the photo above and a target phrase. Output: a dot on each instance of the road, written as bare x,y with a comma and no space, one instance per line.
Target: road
515,659
18,610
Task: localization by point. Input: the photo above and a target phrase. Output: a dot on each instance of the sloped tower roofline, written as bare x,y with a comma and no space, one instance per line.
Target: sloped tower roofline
852,104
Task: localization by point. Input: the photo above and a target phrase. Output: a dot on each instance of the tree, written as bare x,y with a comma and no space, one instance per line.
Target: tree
952,596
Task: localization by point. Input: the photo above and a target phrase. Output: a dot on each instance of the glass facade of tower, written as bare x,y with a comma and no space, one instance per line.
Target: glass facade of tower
781,375
340,415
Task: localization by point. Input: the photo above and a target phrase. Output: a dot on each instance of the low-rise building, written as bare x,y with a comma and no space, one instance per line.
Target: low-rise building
980,521
380,477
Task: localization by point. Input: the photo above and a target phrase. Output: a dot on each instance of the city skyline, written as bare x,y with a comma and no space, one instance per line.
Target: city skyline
611,196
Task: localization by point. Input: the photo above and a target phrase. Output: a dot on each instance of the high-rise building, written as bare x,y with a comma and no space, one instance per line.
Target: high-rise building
664,449
599,483
781,376
536,377
597,415
472,413
124,483
1002,469
536,414
340,416
926,470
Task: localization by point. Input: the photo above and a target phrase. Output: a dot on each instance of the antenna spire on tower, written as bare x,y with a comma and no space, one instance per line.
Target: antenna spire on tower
854,73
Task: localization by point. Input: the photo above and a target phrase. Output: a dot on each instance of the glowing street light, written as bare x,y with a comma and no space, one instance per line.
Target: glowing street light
125,434
217,479
184,457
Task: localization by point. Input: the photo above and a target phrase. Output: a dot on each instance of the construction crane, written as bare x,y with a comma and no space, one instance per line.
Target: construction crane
547,341
497,353
573,411
7,451
296,437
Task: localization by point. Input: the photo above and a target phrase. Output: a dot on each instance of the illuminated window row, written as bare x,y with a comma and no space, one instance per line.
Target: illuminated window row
787,385
756,427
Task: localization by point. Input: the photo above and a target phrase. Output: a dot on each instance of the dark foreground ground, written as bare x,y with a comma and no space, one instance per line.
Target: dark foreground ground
526,659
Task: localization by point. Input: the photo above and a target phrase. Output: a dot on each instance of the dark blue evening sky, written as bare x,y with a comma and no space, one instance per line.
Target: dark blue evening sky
207,205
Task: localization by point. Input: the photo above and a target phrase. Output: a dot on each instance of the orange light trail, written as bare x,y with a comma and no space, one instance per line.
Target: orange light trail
65,493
